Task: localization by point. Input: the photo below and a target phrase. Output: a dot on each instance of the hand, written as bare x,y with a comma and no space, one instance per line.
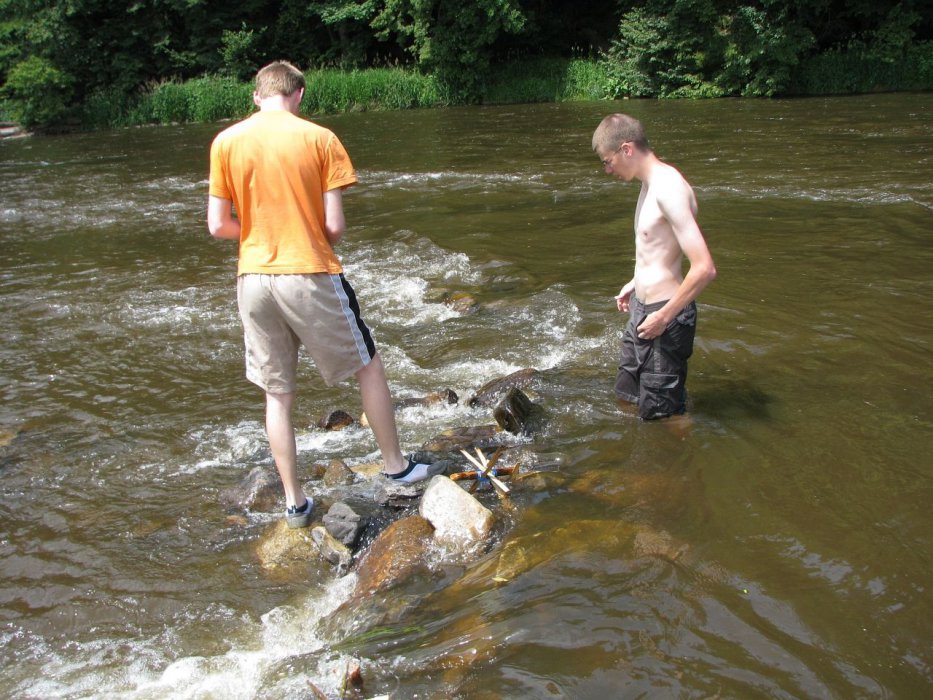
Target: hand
653,326
622,298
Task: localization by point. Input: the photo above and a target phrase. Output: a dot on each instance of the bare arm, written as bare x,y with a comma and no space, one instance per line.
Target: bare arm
334,221
678,207
220,219
625,295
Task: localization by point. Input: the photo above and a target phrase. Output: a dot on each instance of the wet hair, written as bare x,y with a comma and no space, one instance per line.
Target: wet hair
615,130
278,78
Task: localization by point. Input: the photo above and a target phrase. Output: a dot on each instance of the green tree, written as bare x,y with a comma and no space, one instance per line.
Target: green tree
704,48
762,49
665,48
349,35
240,51
450,39
37,92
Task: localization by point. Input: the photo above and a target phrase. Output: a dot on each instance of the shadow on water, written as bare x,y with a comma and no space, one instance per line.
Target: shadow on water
725,399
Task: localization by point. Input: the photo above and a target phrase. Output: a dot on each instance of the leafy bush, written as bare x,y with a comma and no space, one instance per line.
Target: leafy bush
540,80
167,103
37,92
452,41
586,80
664,49
700,48
104,109
859,69
240,52
760,52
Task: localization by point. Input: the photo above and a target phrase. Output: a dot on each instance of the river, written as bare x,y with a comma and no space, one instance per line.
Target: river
798,496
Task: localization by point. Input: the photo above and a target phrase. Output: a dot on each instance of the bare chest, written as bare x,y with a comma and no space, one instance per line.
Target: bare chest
651,227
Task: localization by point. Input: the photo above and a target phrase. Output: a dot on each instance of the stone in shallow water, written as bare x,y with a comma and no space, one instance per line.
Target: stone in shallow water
490,392
461,302
331,548
260,490
336,420
281,545
394,556
448,396
458,518
516,413
454,439
344,523
338,474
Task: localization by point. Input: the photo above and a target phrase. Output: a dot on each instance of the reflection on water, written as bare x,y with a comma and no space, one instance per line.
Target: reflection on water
771,546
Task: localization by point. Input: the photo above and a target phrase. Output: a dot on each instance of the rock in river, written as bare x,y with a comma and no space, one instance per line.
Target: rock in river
333,550
259,491
335,420
344,523
457,517
394,556
516,413
489,393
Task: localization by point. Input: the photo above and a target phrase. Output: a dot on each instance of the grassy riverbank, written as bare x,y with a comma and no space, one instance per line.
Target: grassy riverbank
332,91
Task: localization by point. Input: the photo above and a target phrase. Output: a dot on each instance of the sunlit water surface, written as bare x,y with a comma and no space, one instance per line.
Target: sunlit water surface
797,500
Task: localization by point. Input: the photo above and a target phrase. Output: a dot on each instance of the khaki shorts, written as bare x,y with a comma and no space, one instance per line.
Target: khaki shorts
319,311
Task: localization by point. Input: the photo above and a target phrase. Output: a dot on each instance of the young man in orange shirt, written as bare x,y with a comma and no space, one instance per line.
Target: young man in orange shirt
284,177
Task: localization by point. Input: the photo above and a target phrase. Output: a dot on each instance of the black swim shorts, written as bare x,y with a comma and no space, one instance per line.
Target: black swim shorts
653,373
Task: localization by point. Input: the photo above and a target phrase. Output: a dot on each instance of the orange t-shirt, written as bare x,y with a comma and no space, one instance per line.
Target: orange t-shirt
275,167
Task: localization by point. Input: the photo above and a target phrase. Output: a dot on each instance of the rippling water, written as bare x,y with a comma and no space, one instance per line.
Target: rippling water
791,514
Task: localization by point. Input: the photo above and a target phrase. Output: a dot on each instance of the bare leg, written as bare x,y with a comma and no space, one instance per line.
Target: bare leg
377,404
282,442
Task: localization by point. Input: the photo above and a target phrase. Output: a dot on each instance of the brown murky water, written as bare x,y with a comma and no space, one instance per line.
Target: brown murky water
792,513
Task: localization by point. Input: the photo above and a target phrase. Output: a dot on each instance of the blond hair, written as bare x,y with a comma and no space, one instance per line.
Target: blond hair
278,78
617,129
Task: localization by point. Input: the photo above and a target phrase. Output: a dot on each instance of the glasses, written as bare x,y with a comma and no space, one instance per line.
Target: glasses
608,160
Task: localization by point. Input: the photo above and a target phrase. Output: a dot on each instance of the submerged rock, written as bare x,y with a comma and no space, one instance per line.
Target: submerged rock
576,538
454,439
489,393
461,302
8,435
370,470
448,396
396,494
260,490
457,517
282,545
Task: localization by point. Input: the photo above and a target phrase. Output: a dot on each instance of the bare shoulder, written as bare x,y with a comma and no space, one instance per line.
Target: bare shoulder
670,178
671,187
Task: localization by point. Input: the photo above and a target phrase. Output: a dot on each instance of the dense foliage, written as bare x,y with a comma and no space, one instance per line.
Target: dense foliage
63,58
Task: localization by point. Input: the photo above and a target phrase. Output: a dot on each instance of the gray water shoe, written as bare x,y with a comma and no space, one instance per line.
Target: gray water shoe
299,517
416,471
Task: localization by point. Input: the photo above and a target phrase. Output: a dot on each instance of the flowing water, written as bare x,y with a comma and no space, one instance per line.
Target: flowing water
791,514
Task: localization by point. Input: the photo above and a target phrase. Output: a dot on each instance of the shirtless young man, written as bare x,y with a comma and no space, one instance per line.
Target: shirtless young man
658,339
